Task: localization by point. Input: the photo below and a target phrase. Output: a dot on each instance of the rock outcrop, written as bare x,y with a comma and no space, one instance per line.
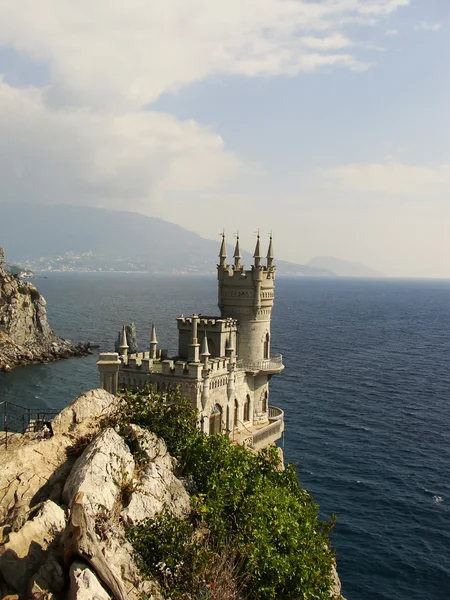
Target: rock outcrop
25,335
66,500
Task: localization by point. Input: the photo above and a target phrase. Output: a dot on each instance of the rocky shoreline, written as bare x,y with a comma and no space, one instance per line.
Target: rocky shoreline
25,335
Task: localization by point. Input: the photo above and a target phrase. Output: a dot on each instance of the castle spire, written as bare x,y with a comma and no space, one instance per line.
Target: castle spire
123,342
257,253
153,342
270,255
223,251
237,254
205,350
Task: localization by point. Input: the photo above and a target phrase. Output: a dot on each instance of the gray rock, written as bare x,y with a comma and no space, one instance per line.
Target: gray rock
157,487
84,585
25,552
84,411
102,471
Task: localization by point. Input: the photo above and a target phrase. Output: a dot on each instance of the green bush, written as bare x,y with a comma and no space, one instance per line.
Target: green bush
244,502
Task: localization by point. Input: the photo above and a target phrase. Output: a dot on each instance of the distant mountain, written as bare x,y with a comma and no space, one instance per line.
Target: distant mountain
86,238
343,268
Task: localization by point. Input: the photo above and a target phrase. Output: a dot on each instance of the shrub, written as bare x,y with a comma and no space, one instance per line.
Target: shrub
244,502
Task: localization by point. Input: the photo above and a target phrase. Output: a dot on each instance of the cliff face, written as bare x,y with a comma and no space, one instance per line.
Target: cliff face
25,335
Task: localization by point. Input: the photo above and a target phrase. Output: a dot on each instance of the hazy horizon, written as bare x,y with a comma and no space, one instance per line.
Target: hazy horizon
325,121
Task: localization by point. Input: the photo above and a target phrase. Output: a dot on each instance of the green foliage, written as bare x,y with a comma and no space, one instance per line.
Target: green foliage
244,501
22,289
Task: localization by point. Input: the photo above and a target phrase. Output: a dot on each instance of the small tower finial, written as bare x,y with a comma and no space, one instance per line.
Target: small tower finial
237,254
223,251
153,342
205,350
123,342
270,255
257,253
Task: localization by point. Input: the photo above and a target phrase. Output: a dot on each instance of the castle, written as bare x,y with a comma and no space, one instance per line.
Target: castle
224,363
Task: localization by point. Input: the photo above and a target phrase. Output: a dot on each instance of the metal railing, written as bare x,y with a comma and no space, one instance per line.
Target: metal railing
275,413
16,419
274,363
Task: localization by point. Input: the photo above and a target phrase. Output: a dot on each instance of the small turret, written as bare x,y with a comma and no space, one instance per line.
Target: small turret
229,349
257,253
123,342
237,254
153,343
194,346
223,252
270,255
205,351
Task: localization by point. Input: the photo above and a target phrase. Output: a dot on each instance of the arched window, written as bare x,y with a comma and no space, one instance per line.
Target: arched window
215,420
267,346
247,408
236,409
264,402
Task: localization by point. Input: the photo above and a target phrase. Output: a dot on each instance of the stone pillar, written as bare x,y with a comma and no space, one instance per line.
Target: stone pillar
194,346
108,367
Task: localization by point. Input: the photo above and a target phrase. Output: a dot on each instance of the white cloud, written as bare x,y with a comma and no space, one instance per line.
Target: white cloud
391,178
425,26
77,156
126,54
88,135
391,32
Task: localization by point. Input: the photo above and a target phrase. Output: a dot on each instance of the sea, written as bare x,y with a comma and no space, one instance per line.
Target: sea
366,395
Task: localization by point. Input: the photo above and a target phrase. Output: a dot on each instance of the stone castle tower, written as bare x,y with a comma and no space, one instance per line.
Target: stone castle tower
247,296
224,363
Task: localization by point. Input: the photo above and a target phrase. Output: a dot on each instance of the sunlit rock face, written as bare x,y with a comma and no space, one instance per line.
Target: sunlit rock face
25,335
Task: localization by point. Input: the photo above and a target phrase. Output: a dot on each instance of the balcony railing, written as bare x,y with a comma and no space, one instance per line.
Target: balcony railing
270,365
275,413
272,431
268,434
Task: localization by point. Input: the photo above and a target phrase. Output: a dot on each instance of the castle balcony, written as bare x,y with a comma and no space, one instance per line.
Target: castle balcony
258,438
271,365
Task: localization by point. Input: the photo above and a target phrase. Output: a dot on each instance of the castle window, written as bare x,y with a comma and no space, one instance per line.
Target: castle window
236,408
267,346
215,420
247,408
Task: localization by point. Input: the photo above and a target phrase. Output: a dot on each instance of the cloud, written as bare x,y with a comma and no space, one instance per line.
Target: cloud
115,55
83,157
88,134
391,32
390,178
425,26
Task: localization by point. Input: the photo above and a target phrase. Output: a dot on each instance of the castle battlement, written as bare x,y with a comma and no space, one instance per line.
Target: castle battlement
223,364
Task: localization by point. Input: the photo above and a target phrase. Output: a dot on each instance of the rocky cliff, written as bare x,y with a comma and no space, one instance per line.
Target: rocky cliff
25,335
66,501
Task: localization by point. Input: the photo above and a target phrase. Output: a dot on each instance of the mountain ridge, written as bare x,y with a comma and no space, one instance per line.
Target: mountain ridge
30,231
344,268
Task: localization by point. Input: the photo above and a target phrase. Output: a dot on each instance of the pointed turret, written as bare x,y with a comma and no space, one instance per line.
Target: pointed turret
237,254
123,342
153,342
270,255
205,350
223,252
229,348
257,253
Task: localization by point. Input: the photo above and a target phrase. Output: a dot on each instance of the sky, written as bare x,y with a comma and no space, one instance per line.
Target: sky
326,122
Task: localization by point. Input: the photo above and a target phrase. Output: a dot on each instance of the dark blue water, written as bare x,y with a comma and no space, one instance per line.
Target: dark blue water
366,392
